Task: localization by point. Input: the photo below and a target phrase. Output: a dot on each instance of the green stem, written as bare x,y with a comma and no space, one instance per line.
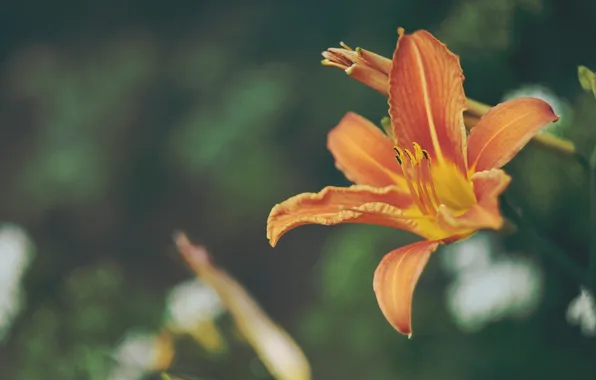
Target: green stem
592,228
542,244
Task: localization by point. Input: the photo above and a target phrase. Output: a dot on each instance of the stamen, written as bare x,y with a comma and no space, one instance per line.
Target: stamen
409,171
343,58
431,184
418,152
425,197
425,180
417,173
407,152
343,45
425,177
398,156
417,180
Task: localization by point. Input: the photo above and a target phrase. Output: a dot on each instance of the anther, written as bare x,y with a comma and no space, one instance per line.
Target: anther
417,151
398,155
407,152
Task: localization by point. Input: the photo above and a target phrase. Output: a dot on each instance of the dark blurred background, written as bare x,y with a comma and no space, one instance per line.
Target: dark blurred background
123,121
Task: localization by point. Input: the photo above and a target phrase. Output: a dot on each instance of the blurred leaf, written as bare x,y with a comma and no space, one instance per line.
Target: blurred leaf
208,335
587,79
84,102
249,110
348,263
165,351
200,65
479,27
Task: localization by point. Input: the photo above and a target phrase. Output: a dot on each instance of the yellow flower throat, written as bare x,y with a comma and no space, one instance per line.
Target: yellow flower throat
452,188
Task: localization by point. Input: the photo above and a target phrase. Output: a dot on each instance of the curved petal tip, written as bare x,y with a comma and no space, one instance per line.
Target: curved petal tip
335,205
395,280
505,130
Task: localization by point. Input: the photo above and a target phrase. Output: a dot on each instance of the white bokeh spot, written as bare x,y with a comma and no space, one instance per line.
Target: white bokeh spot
487,288
191,303
582,312
135,356
15,257
473,253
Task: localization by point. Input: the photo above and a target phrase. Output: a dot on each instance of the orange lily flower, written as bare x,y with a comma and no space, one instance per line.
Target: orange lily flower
425,175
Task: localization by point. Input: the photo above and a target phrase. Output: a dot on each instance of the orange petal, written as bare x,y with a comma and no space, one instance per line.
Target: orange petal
363,153
395,280
426,97
335,205
488,185
504,130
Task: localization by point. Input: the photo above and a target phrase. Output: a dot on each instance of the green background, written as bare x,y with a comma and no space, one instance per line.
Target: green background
123,121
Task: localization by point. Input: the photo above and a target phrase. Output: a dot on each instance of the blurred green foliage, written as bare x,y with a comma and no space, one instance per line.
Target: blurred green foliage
123,121
587,79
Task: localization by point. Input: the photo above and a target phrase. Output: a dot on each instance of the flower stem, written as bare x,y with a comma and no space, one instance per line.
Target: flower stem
549,142
476,108
543,244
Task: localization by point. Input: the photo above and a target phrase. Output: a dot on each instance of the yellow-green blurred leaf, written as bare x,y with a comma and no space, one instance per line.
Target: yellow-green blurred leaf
207,334
587,79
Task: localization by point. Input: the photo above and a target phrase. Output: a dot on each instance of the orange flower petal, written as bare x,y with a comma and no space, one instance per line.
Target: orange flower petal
426,97
335,205
395,280
504,130
488,185
363,153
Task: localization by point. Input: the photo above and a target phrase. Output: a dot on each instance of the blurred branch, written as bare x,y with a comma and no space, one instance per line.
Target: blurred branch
587,79
279,352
